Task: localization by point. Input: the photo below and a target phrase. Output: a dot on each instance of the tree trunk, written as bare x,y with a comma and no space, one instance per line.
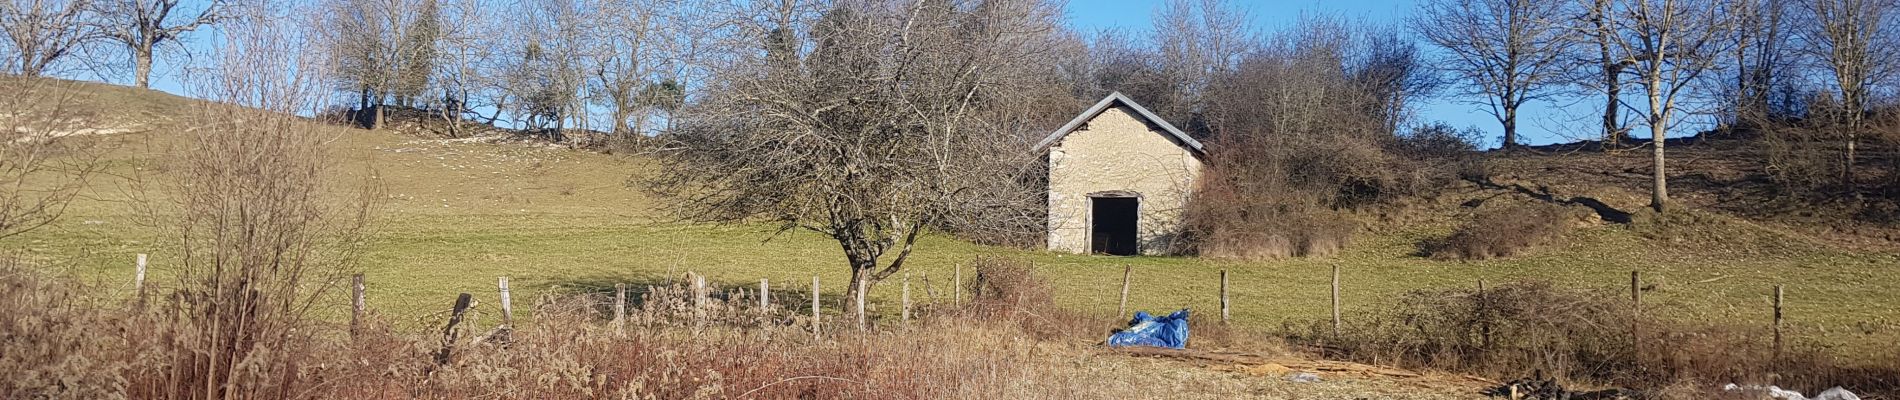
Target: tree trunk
1612,125
1660,198
1612,85
142,60
28,66
1847,167
620,120
1510,127
860,271
1658,135
1855,102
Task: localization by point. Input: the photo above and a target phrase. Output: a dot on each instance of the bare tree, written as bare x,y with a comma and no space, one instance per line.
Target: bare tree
1508,52
263,228
417,54
1196,40
45,158
1759,54
1386,65
1667,45
384,50
1303,130
1856,43
39,33
145,26
466,49
901,115
630,50
544,68
1115,62
1607,77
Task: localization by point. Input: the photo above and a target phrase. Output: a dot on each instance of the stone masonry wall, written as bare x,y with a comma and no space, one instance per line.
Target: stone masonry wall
1117,151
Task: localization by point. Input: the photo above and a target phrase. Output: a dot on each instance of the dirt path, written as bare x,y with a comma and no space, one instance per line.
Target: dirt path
1218,374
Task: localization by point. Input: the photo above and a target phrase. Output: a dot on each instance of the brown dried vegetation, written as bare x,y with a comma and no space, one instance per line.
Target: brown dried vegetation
1505,231
1582,336
1308,129
69,345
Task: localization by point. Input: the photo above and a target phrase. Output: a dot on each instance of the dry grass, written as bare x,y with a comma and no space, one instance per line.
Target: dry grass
567,354
1509,331
71,346
58,346
1505,231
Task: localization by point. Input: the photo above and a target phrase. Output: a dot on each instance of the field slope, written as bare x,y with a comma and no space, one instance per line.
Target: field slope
456,214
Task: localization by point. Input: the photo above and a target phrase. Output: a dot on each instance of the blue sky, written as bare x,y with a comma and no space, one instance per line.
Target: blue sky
1544,122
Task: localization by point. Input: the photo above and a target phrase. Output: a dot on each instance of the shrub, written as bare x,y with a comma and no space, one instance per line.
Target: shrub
1504,232
1224,224
1007,291
262,227
675,305
56,345
1307,130
1515,327
1513,330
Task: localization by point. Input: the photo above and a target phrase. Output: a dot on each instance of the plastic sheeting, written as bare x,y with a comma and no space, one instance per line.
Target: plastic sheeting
1170,331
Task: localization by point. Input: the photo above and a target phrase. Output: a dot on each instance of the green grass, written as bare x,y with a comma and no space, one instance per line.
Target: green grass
457,216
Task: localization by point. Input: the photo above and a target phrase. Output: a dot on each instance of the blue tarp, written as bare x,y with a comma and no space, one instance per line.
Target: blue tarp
1147,330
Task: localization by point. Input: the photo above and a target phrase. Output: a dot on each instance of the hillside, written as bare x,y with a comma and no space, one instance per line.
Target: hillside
457,213
1726,176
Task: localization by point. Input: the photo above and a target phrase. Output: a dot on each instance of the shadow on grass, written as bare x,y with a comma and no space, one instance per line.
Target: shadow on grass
1603,210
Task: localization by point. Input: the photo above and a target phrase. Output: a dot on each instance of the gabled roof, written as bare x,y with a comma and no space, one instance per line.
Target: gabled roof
1180,138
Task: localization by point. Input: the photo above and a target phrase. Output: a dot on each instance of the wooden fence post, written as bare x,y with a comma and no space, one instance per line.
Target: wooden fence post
620,309
357,305
507,304
451,331
699,296
956,285
906,317
1484,318
814,307
1224,316
1636,315
1778,322
1128,273
138,281
765,294
1335,300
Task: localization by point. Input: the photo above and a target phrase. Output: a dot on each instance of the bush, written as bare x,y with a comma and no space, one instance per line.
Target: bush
1005,286
1008,292
1307,130
1514,330
1504,232
1224,225
56,346
676,305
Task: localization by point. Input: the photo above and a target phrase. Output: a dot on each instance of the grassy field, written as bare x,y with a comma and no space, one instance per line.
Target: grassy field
456,215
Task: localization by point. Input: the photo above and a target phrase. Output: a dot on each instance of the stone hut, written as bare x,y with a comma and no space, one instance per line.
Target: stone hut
1119,177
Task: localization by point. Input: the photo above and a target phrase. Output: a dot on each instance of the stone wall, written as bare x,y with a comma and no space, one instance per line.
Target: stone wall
1116,151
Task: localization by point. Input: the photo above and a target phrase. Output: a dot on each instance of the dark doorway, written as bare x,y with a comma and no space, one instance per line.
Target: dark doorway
1112,228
